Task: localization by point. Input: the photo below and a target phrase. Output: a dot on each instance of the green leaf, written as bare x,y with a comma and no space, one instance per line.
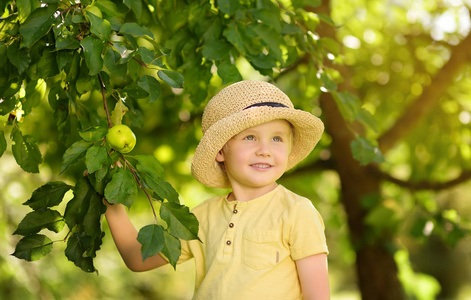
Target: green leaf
92,219
20,58
72,68
149,165
365,151
174,79
108,7
3,55
135,30
368,119
349,105
84,81
92,47
268,16
100,179
270,38
99,27
3,143
68,41
331,45
35,221
135,70
172,248
325,17
94,133
74,153
263,61
33,247
234,36
77,207
161,188
77,246
228,72
25,7
95,158
302,3
382,217
147,55
290,28
25,151
152,240
125,53
122,189
151,86
118,112
48,195
47,65
33,96
216,49
228,6
328,83
111,60
181,222
37,24
136,6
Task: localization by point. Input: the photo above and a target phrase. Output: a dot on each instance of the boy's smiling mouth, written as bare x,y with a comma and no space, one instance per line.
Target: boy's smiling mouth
261,165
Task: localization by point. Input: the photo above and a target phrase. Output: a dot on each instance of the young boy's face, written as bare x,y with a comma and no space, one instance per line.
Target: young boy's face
258,156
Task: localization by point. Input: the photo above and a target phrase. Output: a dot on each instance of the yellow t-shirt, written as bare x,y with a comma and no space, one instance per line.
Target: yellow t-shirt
248,249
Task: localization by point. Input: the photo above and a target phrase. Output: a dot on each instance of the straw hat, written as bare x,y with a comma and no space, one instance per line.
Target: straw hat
243,105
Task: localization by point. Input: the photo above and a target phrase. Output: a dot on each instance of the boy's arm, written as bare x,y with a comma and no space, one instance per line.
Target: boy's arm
125,237
314,277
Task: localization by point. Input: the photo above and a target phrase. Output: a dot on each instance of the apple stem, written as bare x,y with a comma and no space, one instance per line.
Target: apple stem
105,104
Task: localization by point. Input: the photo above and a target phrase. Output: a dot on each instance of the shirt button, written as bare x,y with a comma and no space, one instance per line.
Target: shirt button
228,243
235,211
231,225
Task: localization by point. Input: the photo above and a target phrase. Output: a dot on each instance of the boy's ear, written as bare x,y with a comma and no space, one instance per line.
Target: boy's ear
220,156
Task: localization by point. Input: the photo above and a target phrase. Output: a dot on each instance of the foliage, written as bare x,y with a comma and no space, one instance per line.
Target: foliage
389,55
71,52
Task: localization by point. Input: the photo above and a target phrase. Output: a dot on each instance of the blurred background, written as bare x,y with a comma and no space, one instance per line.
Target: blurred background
406,216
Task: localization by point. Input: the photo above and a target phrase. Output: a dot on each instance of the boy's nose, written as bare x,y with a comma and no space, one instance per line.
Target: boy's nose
263,149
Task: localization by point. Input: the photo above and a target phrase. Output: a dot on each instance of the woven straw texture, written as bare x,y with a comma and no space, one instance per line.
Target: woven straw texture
226,115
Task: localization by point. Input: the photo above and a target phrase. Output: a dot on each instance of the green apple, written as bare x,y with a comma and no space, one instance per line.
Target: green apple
121,138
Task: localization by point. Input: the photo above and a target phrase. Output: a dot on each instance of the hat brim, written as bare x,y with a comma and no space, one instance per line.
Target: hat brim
308,130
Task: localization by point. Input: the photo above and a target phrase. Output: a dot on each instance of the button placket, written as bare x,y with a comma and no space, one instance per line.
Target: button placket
230,232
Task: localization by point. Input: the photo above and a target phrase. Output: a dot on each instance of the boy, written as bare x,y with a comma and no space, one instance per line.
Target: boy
261,241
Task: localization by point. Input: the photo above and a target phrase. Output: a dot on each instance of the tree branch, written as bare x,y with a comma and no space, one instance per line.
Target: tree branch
102,85
424,185
460,55
319,165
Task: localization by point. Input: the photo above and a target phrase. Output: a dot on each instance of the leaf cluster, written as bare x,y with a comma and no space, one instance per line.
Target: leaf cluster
68,52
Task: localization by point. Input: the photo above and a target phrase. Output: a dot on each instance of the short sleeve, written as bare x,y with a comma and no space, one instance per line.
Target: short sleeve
185,254
306,235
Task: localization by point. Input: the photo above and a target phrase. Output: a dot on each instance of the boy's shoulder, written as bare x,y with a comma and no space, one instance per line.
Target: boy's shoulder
209,203
292,198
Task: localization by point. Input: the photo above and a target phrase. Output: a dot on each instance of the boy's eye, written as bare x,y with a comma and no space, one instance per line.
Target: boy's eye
249,137
277,139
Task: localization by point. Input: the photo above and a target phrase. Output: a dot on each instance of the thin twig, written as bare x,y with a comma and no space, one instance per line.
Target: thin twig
141,63
67,236
69,8
141,186
102,85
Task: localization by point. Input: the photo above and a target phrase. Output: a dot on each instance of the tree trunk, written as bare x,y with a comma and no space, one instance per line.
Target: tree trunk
375,265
